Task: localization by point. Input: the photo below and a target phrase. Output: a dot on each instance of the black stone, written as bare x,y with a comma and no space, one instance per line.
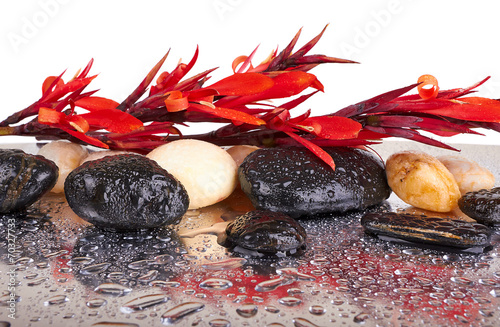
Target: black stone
266,232
427,229
24,178
125,192
482,205
294,181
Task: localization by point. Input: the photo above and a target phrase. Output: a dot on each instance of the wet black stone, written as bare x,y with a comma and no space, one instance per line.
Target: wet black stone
125,192
24,178
427,229
266,231
482,205
294,181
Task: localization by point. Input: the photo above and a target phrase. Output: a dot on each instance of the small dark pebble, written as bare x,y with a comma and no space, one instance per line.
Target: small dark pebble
266,232
24,178
125,192
295,181
482,206
425,229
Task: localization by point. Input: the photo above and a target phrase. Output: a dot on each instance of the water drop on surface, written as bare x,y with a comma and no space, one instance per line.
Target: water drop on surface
219,323
37,281
137,265
181,311
112,289
317,310
114,324
226,264
290,301
143,302
301,322
57,299
96,303
272,309
80,260
95,269
247,310
216,284
361,318
272,284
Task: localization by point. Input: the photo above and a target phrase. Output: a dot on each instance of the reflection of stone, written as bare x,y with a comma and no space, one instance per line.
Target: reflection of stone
129,258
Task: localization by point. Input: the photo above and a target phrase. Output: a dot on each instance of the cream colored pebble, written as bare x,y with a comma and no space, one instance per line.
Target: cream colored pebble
470,176
207,171
66,155
421,180
101,154
240,152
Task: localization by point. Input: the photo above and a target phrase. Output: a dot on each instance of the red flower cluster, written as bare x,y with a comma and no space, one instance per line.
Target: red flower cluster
149,115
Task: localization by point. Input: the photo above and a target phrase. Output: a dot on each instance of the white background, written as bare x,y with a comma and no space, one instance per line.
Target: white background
394,40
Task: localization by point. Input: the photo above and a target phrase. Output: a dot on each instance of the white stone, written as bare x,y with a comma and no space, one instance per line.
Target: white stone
207,171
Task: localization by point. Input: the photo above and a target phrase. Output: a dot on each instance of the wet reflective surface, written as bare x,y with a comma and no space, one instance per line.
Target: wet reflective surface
57,270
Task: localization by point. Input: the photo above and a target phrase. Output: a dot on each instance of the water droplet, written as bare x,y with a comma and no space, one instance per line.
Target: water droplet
219,323
317,310
55,254
293,272
37,281
96,303
226,264
137,265
216,284
247,310
424,281
57,299
149,276
114,324
112,289
361,318
495,292
290,301
272,309
80,261
163,259
489,282
302,322
95,269
181,311
143,302
272,284
462,281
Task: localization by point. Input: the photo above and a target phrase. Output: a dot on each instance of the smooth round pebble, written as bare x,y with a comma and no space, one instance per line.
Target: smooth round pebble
422,181
125,192
66,155
470,176
207,171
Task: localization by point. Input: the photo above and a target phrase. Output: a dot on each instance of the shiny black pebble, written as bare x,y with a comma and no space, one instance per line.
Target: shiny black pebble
125,192
266,231
24,178
294,181
425,229
482,206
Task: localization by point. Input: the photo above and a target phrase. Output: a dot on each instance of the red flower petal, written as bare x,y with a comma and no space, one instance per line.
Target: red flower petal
230,114
96,103
243,84
331,127
113,120
318,151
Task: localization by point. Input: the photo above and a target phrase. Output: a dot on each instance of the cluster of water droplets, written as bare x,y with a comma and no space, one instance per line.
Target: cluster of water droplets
71,274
